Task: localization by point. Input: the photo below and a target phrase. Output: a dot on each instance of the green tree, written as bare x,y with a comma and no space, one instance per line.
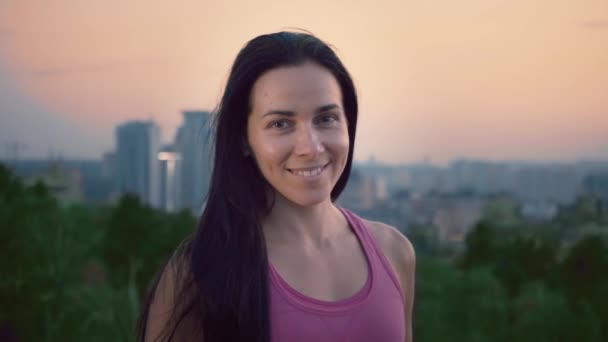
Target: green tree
523,259
458,306
140,239
481,247
56,263
583,276
541,314
44,247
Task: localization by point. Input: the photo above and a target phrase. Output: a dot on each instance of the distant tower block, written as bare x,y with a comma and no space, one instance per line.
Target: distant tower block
137,164
192,143
169,175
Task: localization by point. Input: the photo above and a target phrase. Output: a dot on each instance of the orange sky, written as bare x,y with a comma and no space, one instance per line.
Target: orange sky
508,79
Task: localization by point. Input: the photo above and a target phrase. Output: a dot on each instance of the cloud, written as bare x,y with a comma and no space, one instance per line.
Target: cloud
595,24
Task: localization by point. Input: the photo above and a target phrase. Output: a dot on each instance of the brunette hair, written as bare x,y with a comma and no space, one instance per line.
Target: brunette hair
226,291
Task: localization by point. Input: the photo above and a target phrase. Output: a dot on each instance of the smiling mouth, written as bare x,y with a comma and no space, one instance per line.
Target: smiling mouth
308,172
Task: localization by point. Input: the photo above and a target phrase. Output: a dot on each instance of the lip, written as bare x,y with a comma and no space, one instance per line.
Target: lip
310,168
303,169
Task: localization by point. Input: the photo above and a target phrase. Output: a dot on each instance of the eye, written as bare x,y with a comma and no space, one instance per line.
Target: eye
280,124
327,119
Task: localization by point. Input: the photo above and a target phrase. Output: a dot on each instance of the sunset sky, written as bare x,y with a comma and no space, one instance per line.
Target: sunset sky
501,80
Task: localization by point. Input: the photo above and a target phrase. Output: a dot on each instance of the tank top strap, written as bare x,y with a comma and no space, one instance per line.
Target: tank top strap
377,259
367,241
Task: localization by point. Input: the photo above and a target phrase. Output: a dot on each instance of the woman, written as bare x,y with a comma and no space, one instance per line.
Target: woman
273,259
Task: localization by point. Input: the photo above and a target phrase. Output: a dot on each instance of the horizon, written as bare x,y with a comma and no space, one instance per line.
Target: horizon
366,163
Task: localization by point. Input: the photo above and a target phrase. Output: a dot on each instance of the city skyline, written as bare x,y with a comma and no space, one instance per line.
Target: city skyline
494,80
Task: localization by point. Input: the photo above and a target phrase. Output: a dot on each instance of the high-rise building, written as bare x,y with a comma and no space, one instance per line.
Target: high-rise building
169,177
137,164
108,165
192,142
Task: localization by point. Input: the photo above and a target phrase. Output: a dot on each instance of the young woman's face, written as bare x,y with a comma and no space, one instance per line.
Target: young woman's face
297,131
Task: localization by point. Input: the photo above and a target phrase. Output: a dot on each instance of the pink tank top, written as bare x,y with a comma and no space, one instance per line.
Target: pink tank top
374,313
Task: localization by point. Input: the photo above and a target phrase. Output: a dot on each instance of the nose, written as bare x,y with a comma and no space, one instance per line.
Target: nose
308,142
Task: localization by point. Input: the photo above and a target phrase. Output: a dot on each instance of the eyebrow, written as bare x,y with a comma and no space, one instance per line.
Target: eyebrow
291,113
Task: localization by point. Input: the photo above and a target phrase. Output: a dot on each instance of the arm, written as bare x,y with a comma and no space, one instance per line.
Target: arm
161,305
407,277
402,257
168,317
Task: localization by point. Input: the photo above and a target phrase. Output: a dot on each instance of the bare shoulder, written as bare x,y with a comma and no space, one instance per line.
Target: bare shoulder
391,240
396,246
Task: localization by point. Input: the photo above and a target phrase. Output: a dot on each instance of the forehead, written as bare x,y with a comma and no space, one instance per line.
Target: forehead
298,88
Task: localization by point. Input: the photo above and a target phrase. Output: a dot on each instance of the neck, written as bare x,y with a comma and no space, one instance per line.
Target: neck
315,224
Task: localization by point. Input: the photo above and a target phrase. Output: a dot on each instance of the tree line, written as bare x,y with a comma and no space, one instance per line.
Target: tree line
79,272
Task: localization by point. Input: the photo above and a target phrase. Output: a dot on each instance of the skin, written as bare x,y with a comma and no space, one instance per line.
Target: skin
297,122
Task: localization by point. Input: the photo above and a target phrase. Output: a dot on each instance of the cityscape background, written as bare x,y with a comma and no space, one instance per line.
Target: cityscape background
449,199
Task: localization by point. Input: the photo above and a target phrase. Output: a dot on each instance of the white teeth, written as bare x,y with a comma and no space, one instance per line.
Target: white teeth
310,173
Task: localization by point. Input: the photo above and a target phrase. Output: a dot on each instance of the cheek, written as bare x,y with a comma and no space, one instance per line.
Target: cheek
269,154
340,143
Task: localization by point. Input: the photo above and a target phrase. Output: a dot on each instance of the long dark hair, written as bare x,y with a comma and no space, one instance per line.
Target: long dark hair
227,290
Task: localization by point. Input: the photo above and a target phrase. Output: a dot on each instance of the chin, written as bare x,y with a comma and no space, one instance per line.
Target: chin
308,200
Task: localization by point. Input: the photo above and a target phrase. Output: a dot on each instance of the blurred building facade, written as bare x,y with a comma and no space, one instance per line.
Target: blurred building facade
169,177
363,191
108,165
137,166
192,143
